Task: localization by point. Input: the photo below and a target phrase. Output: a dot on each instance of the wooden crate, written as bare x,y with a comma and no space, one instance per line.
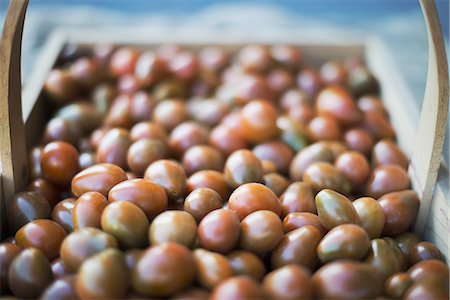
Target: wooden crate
433,226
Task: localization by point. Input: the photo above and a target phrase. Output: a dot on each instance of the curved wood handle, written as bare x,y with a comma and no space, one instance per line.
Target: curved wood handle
426,157
12,138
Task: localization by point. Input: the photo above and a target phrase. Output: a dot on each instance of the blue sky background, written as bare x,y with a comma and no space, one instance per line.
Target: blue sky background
341,11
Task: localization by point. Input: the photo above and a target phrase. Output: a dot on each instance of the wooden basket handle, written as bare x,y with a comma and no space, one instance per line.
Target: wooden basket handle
426,157
12,134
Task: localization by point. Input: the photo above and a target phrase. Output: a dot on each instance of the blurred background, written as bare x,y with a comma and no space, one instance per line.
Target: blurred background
398,22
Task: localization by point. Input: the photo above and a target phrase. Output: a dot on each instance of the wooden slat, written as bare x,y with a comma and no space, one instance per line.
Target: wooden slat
437,229
429,140
36,108
2,211
45,61
12,134
395,93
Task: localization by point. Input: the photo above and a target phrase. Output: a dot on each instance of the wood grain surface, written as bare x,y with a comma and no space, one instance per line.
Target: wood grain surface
12,134
429,140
